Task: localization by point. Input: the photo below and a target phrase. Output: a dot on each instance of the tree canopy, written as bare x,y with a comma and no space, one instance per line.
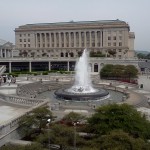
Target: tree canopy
34,121
118,71
114,117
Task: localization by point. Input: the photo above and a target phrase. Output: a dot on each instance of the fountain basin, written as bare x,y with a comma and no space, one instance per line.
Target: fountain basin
99,94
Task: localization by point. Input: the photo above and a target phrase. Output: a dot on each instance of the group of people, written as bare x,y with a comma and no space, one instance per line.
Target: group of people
7,79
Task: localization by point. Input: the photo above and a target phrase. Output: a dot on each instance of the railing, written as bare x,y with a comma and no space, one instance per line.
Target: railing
2,69
24,101
10,126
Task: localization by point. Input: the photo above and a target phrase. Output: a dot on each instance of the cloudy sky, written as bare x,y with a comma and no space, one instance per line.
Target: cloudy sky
136,13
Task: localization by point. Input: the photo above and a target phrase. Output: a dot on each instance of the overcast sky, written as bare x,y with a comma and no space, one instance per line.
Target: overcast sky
14,13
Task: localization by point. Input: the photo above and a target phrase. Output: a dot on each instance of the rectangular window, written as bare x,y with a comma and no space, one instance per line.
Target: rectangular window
24,45
93,44
109,44
120,37
28,40
114,38
28,45
20,40
114,44
109,37
119,50
20,35
28,34
24,40
120,43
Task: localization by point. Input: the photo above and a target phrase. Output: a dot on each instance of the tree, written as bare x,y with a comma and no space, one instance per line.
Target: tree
35,146
34,121
73,117
131,71
112,52
119,140
118,71
58,134
106,71
124,117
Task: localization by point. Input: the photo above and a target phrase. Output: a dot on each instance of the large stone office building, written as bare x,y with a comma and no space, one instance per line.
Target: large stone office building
68,39
57,46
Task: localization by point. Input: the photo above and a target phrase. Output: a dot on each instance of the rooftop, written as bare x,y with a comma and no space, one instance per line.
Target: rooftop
2,42
76,23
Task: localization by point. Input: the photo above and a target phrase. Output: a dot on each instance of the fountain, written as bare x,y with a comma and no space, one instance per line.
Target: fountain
82,89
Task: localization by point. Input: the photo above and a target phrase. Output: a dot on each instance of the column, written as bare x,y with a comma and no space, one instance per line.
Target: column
75,45
85,46
69,39
1,53
64,39
55,39
59,39
49,66
68,66
45,40
50,40
79,39
95,38
9,67
40,39
90,39
5,53
30,67
12,53
35,36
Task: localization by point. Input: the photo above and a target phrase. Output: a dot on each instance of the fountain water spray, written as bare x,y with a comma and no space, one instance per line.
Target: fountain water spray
82,77
82,90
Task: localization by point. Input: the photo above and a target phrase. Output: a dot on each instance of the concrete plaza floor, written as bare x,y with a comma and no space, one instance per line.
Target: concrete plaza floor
9,111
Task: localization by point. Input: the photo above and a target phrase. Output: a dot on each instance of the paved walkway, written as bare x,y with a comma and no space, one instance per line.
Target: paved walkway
9,111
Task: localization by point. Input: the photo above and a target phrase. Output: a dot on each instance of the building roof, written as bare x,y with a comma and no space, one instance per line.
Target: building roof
73,25
78,22
2,42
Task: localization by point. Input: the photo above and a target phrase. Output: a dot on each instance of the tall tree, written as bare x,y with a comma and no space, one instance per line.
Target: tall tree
35,121
125,117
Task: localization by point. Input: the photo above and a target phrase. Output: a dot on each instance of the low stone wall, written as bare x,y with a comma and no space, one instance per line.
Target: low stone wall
20,100
8,130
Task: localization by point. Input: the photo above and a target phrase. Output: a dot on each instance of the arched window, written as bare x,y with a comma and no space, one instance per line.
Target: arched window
95,67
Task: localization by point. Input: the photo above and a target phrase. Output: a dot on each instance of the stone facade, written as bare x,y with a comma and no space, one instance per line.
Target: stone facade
6,49
112,38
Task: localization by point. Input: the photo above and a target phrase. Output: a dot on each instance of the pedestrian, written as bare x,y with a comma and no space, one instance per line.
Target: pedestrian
9,81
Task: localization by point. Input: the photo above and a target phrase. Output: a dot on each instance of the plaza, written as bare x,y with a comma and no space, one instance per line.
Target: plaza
57,47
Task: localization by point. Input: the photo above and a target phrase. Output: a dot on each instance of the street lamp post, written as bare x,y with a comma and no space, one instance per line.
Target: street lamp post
74,124
49,120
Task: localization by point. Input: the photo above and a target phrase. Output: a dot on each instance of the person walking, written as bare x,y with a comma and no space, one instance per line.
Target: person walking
9,81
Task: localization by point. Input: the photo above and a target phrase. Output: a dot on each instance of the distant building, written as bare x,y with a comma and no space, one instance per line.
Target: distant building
144,66
112,38
6,49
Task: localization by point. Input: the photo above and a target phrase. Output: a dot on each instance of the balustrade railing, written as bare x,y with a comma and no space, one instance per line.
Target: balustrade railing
11,125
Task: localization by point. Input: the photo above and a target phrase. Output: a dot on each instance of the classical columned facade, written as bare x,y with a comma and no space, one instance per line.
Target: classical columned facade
6,49
68,39
111,38
47,64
